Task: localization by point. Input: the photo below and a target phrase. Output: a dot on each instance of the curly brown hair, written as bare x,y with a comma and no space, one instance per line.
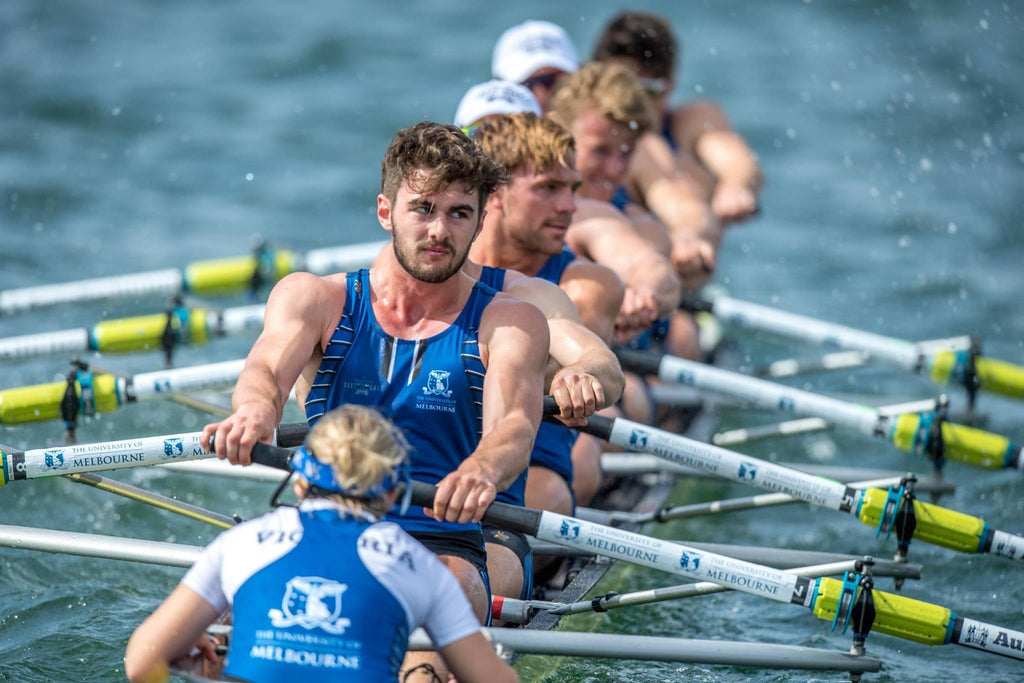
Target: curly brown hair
520,141
609,89
642,38
445,155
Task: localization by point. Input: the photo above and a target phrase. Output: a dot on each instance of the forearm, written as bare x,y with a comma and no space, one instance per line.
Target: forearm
504,451
682,210
728,157
657,276
257,385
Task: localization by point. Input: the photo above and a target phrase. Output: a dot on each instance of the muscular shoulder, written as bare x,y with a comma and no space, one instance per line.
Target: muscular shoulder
587,209
546,296
583,269
700,114
507,309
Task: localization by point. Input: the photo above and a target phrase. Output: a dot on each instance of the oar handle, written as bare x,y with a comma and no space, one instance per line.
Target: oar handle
522,519
597,425
291,434
271,456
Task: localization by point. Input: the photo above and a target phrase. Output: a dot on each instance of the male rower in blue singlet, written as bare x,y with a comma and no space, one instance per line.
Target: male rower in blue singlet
707,150
457,366
322,591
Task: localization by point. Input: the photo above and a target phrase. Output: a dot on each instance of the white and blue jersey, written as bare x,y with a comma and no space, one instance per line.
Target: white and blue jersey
432,389
321,595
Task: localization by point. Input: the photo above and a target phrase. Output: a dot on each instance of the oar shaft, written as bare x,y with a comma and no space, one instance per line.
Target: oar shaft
219,276
755,316
760,392
93,545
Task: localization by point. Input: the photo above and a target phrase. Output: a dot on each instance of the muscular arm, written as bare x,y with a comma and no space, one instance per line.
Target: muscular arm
167,634
578,351
597,293
298,311
679,203
605,235
706,131
514,346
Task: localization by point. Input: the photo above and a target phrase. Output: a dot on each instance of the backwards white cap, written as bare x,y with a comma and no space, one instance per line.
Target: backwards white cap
494,97
530,46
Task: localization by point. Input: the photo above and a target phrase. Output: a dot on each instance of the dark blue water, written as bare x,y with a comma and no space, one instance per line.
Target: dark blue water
143,135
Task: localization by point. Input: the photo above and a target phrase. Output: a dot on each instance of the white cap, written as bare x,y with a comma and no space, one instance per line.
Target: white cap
494,97
530,46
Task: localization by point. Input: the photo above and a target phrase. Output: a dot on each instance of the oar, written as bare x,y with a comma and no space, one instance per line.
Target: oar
88,393
892,510
213,277
178,326
926,431
853,599
653,648
17,465
512,610
963,366
155,500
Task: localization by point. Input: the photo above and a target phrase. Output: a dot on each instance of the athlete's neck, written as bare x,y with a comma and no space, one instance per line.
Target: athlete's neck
412,309
494,248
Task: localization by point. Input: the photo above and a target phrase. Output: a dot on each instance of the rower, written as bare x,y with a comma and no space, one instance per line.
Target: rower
524,230
457,366
706,147
536,54
323,589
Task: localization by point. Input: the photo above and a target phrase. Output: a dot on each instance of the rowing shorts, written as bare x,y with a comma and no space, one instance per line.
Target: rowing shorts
467,545
517,543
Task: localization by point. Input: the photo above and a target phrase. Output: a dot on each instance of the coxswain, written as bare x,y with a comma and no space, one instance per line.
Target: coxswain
322,591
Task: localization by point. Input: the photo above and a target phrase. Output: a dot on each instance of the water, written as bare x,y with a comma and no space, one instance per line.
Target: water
140,135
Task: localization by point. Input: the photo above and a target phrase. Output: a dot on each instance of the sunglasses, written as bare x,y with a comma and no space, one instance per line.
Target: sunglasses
653,86
545,80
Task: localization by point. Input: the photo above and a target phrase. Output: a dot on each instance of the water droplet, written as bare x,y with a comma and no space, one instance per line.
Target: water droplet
926,164
249,176
904,241
116,111
951,228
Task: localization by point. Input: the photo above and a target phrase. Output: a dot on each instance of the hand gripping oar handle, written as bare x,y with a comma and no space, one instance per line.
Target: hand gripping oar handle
513,517
597,425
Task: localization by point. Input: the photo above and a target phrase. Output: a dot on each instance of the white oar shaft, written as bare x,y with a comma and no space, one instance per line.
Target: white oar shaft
769,395
730,465
44,343
148,386
674,558
94,545
140,284
342,259
754,316
109,455
690,590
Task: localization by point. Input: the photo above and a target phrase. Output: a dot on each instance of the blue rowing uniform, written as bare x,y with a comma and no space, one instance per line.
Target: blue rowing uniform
431,388
320,594
666,131
621,199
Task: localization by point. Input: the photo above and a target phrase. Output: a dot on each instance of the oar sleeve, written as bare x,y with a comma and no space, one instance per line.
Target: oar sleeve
993,375
963,444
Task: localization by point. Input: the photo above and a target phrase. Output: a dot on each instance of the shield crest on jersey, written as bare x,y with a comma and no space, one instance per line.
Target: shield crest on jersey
311,602
437,383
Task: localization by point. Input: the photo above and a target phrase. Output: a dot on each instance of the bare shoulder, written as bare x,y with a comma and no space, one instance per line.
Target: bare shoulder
691,120
587,209
583,269
306,295
508,309
546,296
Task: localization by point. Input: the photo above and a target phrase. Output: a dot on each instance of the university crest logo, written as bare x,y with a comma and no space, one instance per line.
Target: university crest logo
437,383
748,471
569,530
637,439
311,602
690,561
173,447
54,460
